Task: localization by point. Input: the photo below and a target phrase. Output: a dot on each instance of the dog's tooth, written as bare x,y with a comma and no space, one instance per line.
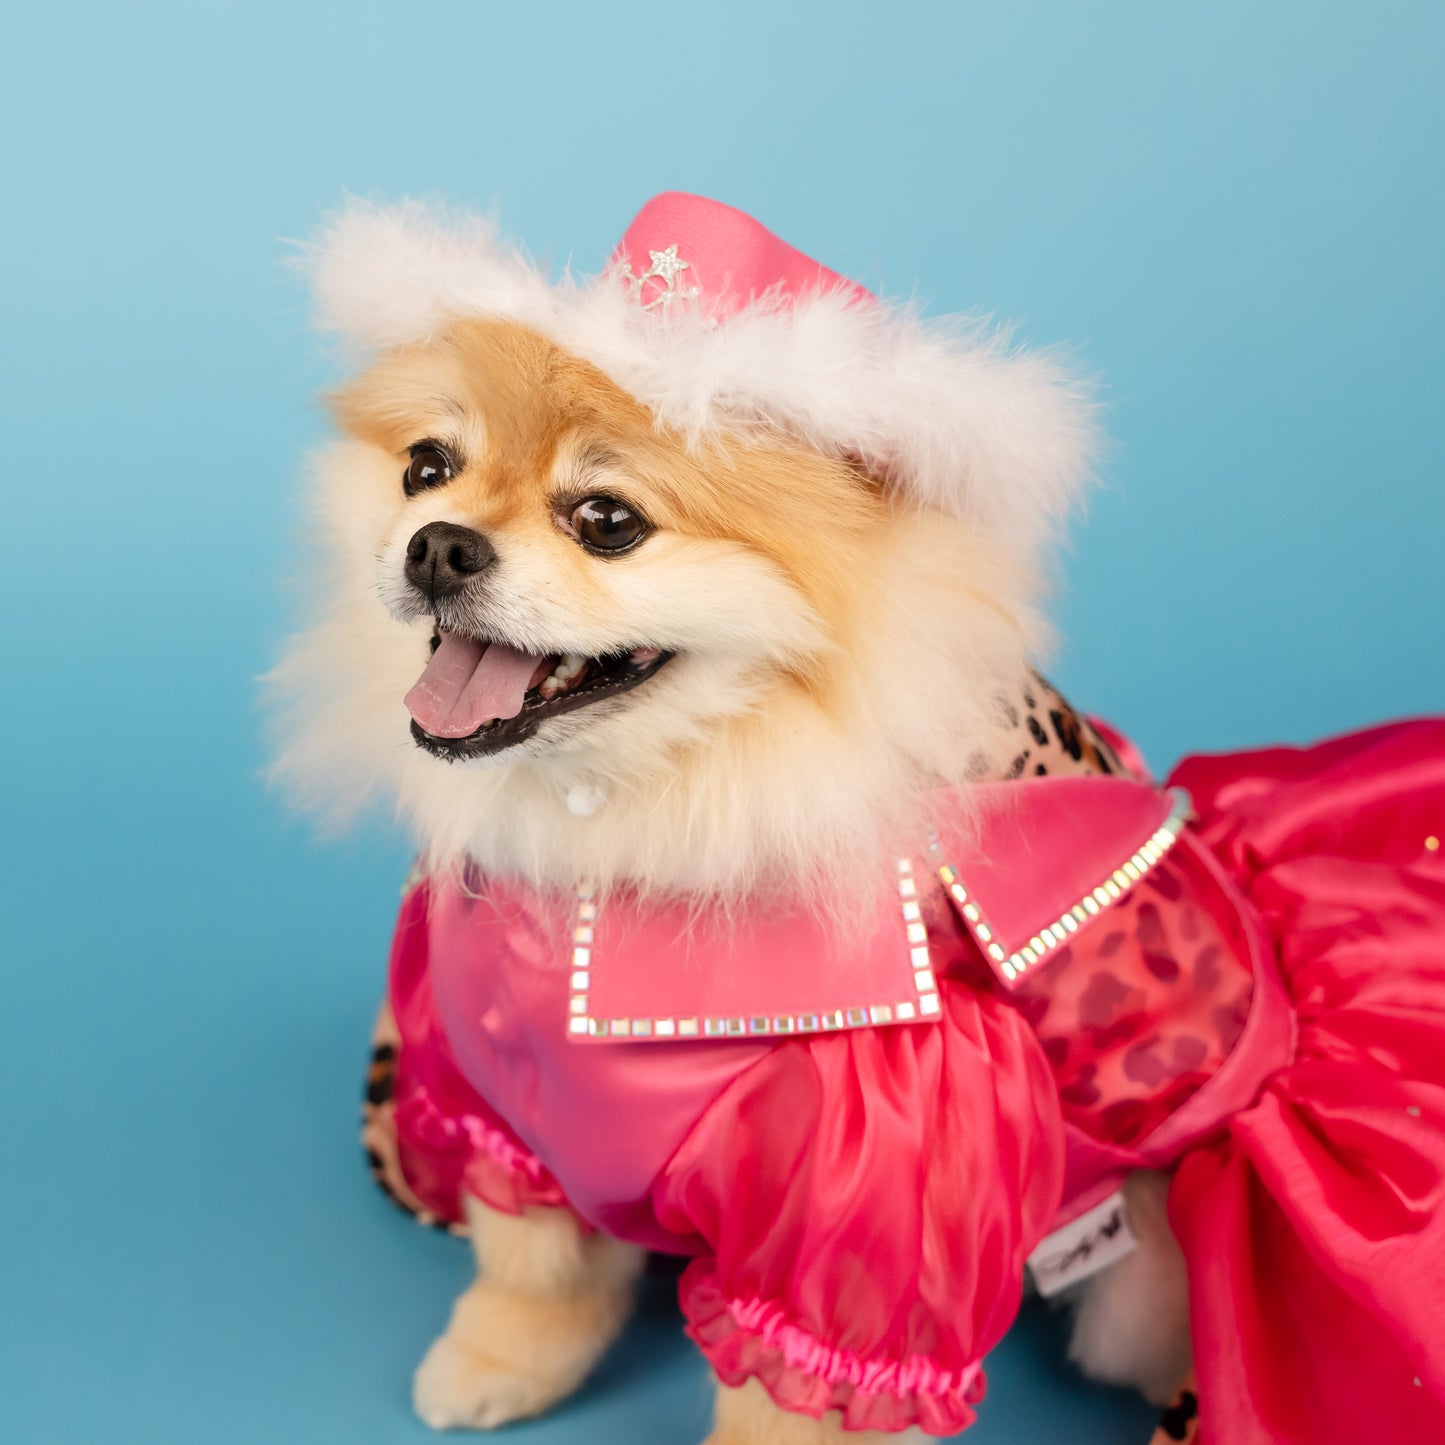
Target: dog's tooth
569,669
562,677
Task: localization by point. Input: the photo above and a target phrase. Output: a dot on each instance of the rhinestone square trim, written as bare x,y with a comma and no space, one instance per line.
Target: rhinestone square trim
913,940
1121,881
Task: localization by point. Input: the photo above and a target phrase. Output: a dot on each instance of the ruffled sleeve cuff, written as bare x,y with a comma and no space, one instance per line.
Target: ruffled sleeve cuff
503,1174
446,1153
753,1339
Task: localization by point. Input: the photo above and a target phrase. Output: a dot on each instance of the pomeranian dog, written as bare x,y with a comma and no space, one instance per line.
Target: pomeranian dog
698,602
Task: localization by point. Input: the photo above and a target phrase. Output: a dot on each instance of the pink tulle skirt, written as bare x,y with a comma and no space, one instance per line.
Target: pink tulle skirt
1315,1226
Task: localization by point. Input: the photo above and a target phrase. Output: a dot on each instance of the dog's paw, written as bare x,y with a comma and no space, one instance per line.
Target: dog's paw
457,1389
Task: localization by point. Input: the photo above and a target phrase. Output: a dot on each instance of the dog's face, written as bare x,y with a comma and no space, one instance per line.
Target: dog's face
582,579
707,665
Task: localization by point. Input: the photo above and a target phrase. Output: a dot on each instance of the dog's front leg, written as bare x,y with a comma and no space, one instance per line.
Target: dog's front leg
747,1416
548,1301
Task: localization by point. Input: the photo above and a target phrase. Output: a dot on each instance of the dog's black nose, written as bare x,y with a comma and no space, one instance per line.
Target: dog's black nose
442,558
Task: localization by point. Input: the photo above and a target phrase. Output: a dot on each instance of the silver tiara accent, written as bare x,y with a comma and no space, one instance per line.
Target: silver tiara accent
666,266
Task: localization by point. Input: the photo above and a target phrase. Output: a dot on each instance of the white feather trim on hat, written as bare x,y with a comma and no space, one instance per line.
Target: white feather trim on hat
945,410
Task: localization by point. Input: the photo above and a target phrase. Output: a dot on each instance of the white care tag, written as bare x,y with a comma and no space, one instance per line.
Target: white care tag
1083,1247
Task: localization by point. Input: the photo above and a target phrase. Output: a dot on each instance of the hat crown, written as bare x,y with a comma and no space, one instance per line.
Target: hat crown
682,248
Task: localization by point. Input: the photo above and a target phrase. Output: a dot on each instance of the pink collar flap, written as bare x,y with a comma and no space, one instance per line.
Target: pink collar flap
1049,855
662,974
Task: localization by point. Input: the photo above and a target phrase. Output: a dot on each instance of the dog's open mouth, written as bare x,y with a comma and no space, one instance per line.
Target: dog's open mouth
477,697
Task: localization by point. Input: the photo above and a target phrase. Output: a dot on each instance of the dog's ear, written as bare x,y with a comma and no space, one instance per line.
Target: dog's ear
388,276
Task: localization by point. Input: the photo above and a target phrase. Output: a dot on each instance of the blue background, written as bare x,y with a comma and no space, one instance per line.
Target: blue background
1233,212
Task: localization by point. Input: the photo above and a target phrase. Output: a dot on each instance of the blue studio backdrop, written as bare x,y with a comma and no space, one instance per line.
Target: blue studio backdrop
1232,212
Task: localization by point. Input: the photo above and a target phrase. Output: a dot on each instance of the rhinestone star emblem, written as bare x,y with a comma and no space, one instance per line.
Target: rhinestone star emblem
666,266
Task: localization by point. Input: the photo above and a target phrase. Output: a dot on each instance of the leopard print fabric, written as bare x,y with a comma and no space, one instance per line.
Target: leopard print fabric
1179,1425
378,1125
1040,735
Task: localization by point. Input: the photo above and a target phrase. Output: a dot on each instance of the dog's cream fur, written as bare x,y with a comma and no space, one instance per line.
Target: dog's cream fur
545,1305
838,652
1131,1323
844,565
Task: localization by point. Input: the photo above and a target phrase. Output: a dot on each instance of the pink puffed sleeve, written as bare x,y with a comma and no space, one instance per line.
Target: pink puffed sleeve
870,1198
446,1138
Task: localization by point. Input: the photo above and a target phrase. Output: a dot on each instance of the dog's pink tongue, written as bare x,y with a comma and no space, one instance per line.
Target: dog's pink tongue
468,683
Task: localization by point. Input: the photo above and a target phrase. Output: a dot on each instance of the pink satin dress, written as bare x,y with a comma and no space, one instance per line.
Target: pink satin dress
859,1131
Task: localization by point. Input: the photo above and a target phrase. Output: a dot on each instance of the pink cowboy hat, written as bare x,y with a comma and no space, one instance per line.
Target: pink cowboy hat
719,326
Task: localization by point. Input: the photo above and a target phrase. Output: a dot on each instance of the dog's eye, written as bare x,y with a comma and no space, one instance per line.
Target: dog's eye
603,524
429,467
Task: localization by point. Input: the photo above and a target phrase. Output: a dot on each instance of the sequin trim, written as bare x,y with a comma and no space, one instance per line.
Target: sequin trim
922,1006
1110,890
